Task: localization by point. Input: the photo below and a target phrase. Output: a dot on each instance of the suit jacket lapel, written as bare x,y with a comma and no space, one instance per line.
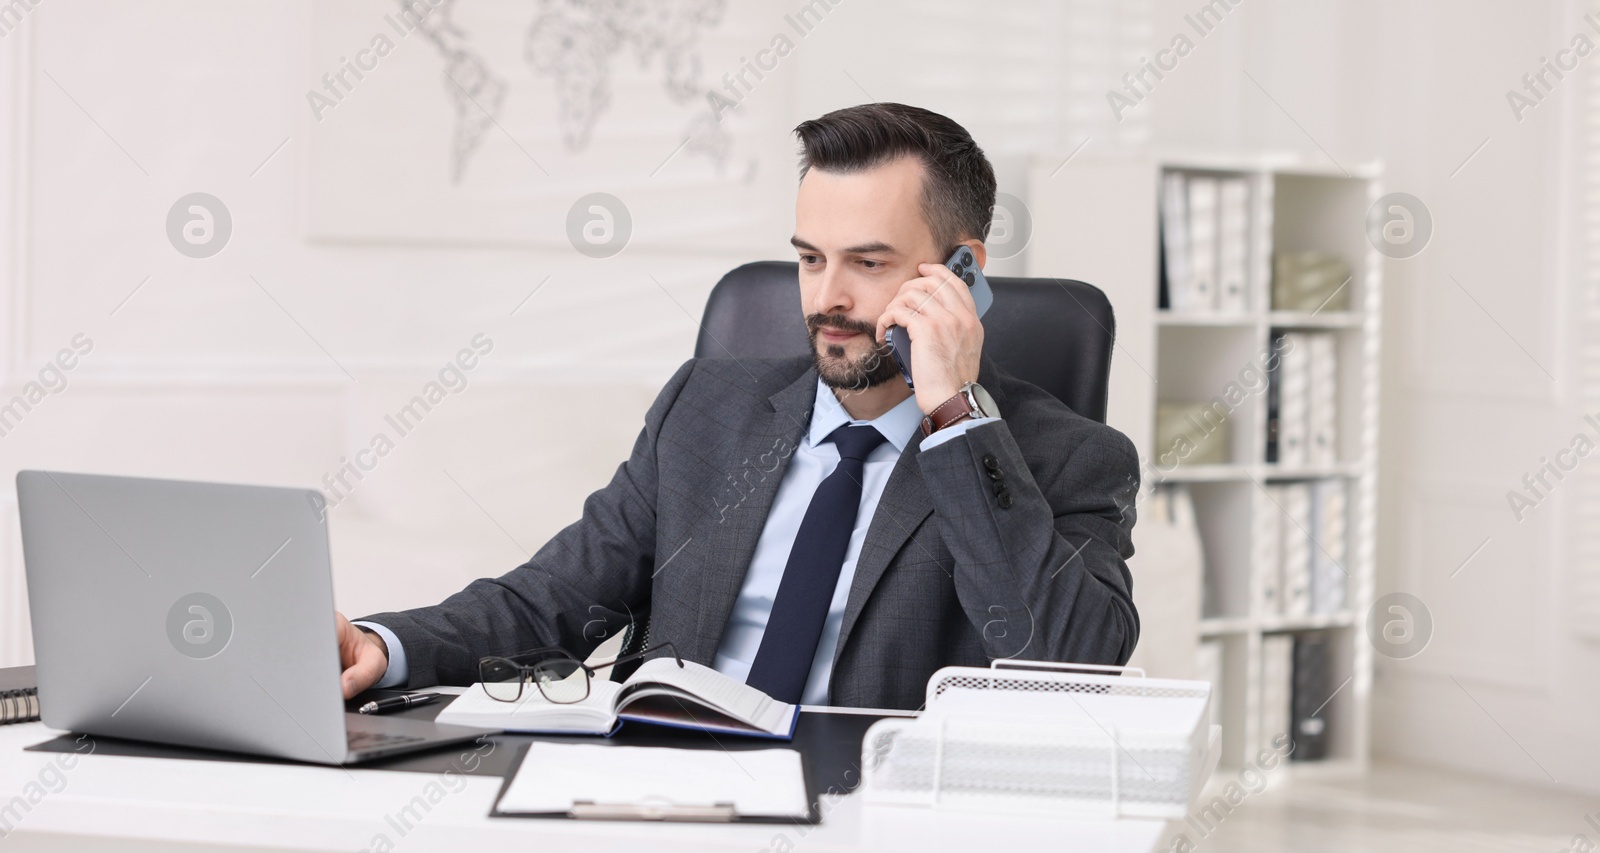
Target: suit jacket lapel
736,526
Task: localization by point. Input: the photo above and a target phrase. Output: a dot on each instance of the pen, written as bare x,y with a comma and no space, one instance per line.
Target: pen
378,706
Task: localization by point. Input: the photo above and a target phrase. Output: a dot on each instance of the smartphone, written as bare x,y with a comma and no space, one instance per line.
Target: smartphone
965,266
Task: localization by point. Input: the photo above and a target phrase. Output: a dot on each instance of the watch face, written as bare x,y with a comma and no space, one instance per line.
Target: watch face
982,401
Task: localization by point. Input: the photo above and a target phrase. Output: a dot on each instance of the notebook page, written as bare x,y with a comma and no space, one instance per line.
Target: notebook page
533,712
759,782
718,690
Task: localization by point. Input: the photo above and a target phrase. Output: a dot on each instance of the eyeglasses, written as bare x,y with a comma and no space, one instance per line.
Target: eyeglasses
562,678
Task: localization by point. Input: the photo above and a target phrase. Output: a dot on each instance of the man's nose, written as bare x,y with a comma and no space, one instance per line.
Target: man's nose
832,295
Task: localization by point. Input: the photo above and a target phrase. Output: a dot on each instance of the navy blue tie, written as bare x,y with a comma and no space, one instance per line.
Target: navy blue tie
783,662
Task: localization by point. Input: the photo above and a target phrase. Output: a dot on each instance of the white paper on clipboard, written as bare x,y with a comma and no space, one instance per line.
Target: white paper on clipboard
756,782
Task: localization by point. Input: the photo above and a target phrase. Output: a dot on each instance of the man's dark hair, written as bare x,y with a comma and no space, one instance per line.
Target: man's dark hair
958,187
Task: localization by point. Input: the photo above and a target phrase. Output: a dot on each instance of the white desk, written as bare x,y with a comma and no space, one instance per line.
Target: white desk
106,802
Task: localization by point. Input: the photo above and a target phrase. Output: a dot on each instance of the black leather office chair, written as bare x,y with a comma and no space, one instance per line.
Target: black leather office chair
1054,333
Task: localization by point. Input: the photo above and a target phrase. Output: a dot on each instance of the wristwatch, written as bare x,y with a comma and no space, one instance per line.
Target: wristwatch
972,401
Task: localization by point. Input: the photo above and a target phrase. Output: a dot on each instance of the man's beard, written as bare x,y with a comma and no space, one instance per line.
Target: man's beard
871,369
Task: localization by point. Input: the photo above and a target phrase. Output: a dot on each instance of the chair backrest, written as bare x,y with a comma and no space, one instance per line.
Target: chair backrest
1054,333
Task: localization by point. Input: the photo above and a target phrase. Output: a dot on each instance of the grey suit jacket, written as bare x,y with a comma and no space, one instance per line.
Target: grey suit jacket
1007,542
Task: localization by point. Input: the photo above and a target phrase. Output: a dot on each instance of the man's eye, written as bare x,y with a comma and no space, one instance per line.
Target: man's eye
810,260
871,265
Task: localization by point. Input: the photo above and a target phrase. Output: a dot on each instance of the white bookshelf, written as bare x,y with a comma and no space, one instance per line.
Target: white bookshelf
1097,220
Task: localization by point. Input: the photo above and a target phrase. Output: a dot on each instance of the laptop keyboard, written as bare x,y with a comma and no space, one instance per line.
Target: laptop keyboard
362,741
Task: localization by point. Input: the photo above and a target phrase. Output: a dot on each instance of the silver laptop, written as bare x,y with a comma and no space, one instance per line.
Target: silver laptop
198,614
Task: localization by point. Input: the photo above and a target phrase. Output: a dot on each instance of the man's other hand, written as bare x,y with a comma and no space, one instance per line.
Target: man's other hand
362,655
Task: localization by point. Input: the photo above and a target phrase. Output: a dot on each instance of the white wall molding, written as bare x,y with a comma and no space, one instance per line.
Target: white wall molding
1579,589
16,107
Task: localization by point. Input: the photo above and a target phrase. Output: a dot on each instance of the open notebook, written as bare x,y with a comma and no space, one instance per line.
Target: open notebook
691,697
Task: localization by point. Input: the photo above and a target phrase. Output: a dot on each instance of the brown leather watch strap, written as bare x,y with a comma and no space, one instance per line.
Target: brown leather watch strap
946,413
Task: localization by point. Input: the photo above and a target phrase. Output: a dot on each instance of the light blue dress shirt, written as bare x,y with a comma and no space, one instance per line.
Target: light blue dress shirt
812,461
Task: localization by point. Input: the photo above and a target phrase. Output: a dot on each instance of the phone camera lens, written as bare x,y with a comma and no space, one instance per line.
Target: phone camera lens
966,259
970,279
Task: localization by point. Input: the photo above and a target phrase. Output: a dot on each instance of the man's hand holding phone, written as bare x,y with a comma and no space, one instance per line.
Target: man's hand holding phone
938,311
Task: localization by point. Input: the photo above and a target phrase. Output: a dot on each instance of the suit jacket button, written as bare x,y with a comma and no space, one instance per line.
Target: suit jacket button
995,474
990,462
1005,500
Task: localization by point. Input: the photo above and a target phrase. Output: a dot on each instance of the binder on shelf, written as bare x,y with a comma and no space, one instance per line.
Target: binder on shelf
1321,411
1175,240
1295,376
1312,688
1328,572
1277,664
1269,557
1297,549
1263,194
1274,396
1233,245
1201,290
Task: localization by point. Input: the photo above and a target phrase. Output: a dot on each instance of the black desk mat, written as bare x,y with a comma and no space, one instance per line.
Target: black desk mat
829,746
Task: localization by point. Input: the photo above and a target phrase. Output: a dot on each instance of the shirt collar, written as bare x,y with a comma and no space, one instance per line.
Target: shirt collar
897,425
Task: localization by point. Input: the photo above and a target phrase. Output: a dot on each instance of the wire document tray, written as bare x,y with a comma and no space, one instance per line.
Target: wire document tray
1058,739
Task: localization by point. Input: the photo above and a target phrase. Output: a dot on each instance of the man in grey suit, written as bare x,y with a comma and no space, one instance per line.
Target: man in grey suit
810,525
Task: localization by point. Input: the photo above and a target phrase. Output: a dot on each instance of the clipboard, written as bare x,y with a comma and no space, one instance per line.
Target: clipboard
655,809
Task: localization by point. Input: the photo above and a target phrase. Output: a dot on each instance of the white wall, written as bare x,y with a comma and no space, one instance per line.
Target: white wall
1482,387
